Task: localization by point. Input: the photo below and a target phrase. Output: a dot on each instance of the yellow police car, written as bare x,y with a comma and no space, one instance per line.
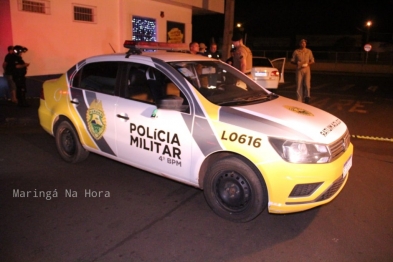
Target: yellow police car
201,122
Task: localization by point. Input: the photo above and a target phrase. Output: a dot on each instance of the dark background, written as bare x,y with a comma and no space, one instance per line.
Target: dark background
282,18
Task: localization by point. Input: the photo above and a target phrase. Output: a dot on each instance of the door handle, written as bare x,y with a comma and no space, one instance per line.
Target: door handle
75,101
123,117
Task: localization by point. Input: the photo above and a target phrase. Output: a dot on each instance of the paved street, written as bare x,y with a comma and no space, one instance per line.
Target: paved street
101,210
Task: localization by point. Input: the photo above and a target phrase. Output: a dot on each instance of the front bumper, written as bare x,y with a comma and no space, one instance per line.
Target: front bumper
298,187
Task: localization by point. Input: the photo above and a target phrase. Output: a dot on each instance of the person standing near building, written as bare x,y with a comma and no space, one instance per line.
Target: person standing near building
303,58
19,75
213,52
9,67
202,48
242,58
194,48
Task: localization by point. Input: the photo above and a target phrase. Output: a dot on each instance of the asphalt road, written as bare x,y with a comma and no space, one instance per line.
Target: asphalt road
142,217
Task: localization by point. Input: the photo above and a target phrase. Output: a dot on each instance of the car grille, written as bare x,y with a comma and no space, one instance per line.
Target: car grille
340,146
331,190
302,190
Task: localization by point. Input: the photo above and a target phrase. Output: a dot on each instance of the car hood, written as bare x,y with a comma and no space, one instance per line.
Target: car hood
286,118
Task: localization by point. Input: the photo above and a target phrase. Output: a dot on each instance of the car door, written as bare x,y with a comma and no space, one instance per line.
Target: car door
93,97
154,139
279,63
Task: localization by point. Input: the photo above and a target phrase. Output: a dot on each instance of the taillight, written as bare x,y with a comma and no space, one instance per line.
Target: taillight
275,73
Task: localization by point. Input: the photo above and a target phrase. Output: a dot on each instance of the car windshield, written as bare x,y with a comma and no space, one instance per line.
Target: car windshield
221,84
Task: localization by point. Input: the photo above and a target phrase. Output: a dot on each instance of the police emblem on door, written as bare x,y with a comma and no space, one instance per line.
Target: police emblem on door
96,120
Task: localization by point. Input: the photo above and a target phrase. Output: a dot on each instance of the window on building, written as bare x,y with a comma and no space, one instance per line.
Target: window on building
144,29
37,6
84,13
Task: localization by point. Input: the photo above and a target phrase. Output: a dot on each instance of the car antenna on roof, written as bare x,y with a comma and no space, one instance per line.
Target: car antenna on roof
112,48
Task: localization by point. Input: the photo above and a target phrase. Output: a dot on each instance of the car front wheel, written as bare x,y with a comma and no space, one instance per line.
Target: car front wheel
68,144
234,190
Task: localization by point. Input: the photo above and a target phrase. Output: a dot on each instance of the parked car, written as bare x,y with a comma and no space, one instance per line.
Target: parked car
264,72
203,123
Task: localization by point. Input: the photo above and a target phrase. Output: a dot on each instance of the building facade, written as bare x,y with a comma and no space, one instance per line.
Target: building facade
59,34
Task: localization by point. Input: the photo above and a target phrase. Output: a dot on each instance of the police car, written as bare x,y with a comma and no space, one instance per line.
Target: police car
201,122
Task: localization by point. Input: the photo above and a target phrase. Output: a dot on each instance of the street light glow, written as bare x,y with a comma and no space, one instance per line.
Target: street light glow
368,24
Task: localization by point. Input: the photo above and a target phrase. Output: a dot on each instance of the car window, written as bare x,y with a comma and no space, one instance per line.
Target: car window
261,62
149,85
98,77
220,83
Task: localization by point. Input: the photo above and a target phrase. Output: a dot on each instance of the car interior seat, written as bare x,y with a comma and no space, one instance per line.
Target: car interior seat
137,85
155,84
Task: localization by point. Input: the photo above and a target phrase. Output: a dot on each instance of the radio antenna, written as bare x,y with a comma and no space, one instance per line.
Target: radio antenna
112,48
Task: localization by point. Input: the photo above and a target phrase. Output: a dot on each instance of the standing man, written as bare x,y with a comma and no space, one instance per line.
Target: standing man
303,58
9,67
194,48
242,58
213,53
19,75
202,48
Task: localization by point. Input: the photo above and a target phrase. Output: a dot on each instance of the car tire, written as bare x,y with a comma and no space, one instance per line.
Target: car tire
234,190
68,144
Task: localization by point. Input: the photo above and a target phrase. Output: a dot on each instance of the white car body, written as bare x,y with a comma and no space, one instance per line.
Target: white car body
264,72
201,122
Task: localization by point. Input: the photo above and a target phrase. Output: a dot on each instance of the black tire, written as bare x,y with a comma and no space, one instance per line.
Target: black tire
234,190
68,144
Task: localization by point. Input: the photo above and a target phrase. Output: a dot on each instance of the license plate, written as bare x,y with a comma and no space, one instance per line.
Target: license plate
260,74
347,166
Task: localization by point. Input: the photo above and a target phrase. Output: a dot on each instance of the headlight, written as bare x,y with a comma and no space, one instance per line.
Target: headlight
300,152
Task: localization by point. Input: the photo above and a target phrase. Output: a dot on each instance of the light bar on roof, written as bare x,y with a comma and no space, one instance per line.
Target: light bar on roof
154,45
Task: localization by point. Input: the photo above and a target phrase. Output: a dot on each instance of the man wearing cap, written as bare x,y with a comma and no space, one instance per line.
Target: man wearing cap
242,58
303,58
9,67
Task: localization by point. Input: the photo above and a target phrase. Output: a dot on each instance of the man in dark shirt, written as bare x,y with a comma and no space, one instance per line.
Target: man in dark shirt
213,52
9,67
19,75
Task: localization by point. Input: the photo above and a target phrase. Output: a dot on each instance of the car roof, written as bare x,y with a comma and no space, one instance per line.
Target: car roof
159,54
176,56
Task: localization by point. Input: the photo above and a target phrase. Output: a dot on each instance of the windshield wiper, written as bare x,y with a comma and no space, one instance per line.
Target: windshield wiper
260,96
252,98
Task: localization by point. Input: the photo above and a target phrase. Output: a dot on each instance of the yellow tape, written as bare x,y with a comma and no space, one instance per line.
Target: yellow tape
373,138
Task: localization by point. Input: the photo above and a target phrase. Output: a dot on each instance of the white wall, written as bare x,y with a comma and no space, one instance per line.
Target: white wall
56,42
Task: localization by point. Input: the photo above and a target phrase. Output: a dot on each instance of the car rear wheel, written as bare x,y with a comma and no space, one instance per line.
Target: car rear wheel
68,144
234,190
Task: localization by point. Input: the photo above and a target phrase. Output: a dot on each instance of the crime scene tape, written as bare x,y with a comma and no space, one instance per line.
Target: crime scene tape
373,138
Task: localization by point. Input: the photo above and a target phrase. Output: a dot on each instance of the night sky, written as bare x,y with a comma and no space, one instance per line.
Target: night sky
285,18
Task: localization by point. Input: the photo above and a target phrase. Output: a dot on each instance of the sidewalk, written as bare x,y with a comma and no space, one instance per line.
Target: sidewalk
12,115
